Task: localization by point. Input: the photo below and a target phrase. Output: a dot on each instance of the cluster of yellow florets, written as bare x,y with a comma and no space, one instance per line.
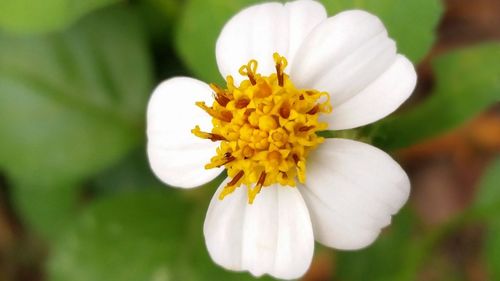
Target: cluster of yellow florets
266,127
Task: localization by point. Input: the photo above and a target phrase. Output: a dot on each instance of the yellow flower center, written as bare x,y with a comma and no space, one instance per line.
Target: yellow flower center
266,127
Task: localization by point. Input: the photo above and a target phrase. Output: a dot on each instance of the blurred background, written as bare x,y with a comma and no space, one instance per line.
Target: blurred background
78,201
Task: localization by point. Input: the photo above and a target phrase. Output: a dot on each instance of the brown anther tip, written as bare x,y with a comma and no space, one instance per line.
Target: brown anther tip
252,79
313,110
285,111
305,128
295,158
279,73
236,178
262,179
226,116
242,103
227,160
221,99
215,137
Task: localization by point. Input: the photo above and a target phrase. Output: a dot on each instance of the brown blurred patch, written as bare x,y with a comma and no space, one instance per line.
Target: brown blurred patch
467,22
321,268
458,258
445,170
7,235
20,253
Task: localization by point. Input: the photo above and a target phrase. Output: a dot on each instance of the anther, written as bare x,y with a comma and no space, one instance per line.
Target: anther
279,73
231,186
305,128
219,95
242,103
236,178
281,64
252,192
250,70
285,110
223,115
228,158
204,135
266,129
313,110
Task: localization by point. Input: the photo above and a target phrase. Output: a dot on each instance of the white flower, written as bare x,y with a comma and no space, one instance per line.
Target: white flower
264,134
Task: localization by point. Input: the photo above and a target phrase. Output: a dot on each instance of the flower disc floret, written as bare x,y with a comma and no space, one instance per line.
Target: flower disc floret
266,127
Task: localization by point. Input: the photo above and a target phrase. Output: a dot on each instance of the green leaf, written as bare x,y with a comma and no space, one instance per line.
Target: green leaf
492,249
130,174
468,81
130,237
48,209
149,235
488,202
72,103
160,17
411,23
488,196
27,16
197,32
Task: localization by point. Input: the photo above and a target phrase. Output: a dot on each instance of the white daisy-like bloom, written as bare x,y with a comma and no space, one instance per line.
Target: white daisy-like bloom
291,71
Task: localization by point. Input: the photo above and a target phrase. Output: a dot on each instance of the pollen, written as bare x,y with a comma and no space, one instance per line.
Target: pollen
266,128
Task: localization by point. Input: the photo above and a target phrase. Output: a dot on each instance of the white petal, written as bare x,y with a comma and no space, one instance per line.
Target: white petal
379,99
176,156
352,190
303,16
260,30
351,57
273,235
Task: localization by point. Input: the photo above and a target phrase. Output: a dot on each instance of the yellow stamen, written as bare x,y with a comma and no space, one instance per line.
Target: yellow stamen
224,115
231,186
252,192
216,163
267,128
250,70
281,64
219,95
204,135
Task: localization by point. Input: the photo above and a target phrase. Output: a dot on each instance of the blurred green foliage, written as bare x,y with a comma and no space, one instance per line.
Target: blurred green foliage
73,96
73,102
467,82
42,16
195,40
411,23
493,249
488,201
488,197
150,235
129,237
